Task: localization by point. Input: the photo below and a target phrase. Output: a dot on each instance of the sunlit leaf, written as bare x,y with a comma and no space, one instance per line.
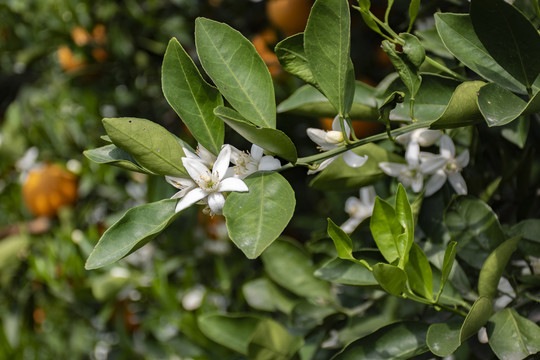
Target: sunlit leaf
493,267
390,277
233,331
113,155
272,341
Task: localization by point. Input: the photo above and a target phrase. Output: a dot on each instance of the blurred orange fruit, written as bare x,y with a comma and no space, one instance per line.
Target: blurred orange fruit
289,16
362,129
47,188
68,60
261,41
80,36
99,54
99,34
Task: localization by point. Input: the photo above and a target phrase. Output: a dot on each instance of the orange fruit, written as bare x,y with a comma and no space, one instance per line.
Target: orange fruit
80,36
47,188
261,42
99,54
362,129
99,34
289,16
68,60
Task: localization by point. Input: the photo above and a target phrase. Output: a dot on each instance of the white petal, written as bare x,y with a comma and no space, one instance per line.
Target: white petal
428,137
432,164
368,195
336,125
216,201
318,136
232,184
235,155
354,160
435,182
447,147
412,155
269,163
458,183
179,182
323,165
351,224
189,154
417,182
463,159
352,204
190,198
404,139
195,168
222,162
257,152
206,156
392,169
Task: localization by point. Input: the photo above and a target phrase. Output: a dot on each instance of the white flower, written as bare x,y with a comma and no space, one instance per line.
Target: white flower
328,140
202,155
206,184
445,166
410,174
249,162
424,137
359,208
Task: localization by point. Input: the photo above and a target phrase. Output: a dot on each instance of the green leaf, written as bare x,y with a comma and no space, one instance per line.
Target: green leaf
309,101
191,97
448,262
462,110
400,341
405,218
307,314
509,37
475,228
238,71
233,331
516,132
500,106
477,317
493,267
339,176
385,228
346,272
512,336
151,145
271,341
290,267
137,227
529,230
292,57
419,272
407,63
443,338
272,140
113,155
256,218
457,33
327,49
414,6
390,277
262,294
342,241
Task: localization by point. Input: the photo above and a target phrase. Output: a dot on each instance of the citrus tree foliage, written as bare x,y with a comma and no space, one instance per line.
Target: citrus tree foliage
446,253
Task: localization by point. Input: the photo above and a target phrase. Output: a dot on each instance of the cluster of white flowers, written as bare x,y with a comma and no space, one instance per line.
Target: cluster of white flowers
439,167
328,140
211,176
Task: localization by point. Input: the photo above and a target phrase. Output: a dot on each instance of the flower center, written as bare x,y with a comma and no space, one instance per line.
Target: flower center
334,137
208,182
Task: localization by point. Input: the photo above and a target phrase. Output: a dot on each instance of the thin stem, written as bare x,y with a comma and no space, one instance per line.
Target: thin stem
388,9
445,69
388,29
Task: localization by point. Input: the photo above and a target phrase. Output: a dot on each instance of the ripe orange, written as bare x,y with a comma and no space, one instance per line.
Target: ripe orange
80,36
68,60
289,16
47,188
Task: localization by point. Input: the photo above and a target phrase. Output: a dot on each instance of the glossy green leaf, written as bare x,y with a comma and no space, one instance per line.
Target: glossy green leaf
414,6
233,331
309,101
457,33
529,230
272,140
262,294
390,277
399,341
477,317
339,176
509,37
368,19
150,144
113,155
342,241
191,97
500,106
430,102
405,218
327,49
256,218
512,336
341,271
443,338
475,228
448,262
271,341
385,228
290,267
493,267
238,71
462,109
137,227
407,64
419,272
517,133
292,57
